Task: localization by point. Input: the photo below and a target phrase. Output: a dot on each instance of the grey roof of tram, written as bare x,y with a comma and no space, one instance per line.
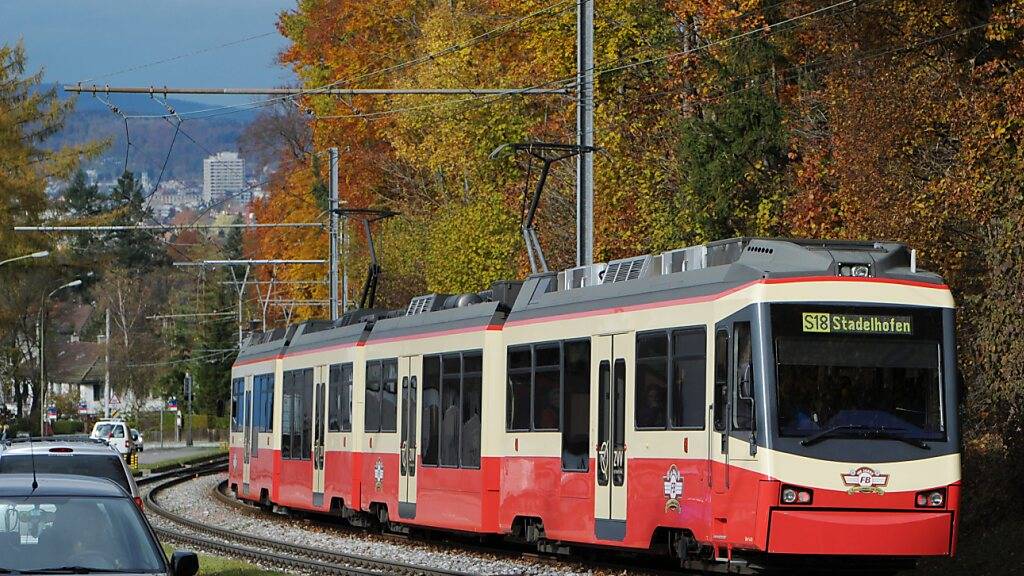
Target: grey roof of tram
777,258
787,259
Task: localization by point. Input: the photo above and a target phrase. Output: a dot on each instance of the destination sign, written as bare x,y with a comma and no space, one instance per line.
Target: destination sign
857,323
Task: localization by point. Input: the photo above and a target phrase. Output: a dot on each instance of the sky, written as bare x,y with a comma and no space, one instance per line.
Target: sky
90,40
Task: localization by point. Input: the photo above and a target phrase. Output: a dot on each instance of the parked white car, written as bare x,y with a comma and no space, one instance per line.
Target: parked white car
116,433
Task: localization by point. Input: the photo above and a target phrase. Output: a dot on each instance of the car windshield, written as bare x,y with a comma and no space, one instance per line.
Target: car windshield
97,465
859,372
101,534
102,430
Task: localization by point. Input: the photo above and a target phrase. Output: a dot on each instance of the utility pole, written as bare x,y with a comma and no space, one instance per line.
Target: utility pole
344,266
188,399
585,132
106,376
333,235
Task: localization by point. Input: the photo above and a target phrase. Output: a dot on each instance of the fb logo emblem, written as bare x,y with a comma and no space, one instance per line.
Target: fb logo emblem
673,484
378,474
865,480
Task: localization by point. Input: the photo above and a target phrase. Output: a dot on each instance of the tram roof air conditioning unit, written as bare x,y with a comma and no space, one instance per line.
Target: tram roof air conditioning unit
581,276
627,269
425,303
683,259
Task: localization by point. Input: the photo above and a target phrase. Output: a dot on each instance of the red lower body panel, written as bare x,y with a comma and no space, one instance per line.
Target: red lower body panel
860,533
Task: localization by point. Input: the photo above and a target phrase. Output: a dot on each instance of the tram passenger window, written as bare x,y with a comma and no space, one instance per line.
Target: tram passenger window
651,380
307,415
451,377
721,377
743,414
472,365
431,419
296,415
389,397
372,399
346,397
333,399
576,406
689,348
340,398
237,391
547,386
287,415
270,403
517,401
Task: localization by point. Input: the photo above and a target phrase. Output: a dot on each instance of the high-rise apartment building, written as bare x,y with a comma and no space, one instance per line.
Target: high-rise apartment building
223,173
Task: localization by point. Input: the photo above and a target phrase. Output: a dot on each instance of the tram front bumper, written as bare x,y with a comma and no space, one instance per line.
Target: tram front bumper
861,533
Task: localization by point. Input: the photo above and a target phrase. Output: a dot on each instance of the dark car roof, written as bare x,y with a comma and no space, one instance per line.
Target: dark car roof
20,485
44,448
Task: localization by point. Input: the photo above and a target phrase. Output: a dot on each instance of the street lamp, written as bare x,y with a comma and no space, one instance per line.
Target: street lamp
42,352
40,254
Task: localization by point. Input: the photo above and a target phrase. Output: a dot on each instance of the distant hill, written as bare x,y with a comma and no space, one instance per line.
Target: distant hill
150,137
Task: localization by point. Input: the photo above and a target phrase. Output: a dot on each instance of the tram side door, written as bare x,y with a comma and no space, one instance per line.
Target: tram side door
247,432
732,430
611,361
408,369
320,375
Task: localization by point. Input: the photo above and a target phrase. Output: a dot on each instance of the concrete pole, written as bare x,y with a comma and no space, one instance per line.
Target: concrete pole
189,385
106,376
333,236
162,402
344,266
585,132
42,366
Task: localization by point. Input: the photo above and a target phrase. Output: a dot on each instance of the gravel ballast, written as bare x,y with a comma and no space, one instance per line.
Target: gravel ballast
194,500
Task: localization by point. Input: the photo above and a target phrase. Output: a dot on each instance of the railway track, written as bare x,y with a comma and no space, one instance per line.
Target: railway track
266,551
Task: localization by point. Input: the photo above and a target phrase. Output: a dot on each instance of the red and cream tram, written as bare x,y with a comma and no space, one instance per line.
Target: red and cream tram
745,404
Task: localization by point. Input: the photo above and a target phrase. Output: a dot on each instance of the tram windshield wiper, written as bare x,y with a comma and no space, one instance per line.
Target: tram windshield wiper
863,431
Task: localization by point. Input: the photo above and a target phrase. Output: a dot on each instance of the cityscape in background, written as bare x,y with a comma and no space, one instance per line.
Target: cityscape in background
225,189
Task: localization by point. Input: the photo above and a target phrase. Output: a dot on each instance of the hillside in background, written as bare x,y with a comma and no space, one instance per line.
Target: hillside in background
150,137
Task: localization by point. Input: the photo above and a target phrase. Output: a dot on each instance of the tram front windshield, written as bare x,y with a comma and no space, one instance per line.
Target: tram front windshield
858,372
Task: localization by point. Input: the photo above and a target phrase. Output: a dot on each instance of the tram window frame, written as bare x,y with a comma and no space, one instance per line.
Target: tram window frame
581,387
450,373
519,422
306,445
263,402
451,408
296,429
287,407
541,401
374,375
696,387
472,381
643,366
237,396
721,380
743,412
339,398
430,419
389,396
268,389
532,370
668,361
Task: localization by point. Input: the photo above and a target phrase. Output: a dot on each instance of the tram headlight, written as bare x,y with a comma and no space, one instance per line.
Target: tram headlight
796,496
931,499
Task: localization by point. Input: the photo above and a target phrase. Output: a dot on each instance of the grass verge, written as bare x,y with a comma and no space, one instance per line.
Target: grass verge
183,460
220,566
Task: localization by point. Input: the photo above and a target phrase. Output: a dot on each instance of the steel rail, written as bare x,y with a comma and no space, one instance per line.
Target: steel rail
257,548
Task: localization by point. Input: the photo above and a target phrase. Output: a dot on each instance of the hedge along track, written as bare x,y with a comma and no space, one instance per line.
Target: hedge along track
272,552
